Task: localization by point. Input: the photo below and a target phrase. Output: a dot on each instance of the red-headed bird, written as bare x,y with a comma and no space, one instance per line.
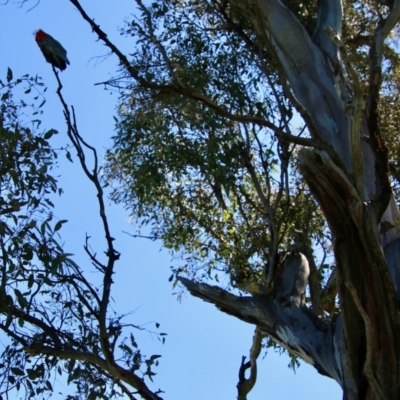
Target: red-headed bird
52,50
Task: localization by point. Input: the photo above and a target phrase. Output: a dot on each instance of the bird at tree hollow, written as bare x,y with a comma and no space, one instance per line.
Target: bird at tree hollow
52,50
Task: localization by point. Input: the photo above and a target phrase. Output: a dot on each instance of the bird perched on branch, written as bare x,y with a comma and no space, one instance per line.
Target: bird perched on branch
52,50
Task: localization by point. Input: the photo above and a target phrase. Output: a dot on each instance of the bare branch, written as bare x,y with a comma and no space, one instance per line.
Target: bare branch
245,385
108,363
283,320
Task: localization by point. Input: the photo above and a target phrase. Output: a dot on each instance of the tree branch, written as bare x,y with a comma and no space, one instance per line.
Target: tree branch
245,385
108,363
295,328
179,90
114,370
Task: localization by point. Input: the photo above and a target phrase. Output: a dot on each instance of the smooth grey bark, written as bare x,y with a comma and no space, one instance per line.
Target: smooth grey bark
305,66
330,14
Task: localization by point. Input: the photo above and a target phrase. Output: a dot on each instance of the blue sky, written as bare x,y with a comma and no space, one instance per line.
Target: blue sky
201,356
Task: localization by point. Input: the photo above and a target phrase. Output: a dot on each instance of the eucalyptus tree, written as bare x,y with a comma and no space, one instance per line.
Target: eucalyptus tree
257,140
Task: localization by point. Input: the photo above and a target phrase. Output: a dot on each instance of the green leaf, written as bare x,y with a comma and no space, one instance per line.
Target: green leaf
59,224
71,365
50,133
30,281
20,298
9,75
68,155
154,357
76,374
8,320
17,371
133,342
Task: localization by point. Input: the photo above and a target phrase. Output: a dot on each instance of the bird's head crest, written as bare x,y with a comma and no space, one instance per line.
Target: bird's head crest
40,35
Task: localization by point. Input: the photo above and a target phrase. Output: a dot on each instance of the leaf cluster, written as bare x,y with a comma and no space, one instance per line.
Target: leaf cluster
221,194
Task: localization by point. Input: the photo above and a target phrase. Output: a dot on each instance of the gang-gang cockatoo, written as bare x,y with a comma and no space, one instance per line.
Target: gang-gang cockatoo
52,50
